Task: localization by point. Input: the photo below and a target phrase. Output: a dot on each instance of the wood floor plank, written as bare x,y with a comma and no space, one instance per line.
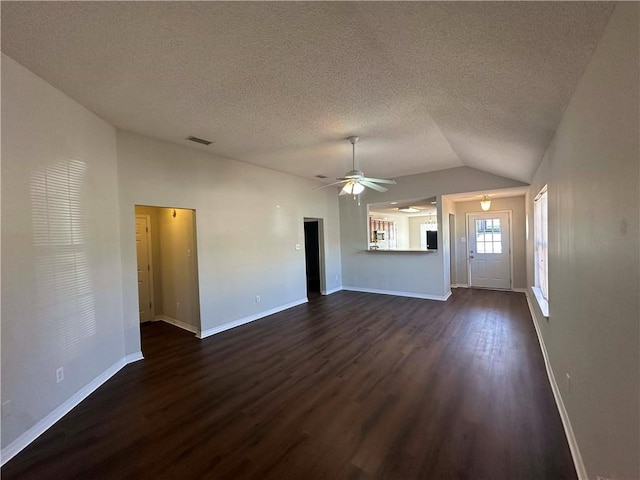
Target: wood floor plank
349,386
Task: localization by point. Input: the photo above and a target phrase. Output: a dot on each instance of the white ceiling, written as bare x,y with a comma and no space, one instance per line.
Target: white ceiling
426,85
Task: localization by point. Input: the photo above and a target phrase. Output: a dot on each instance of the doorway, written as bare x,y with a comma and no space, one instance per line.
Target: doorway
167,265
489,250
314,256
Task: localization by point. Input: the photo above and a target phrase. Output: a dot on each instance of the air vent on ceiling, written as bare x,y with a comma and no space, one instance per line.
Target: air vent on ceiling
199,140
321,176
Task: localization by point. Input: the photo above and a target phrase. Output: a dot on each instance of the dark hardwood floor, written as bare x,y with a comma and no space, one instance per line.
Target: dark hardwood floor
352,385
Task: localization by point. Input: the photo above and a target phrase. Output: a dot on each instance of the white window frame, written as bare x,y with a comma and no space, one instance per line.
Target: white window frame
541,250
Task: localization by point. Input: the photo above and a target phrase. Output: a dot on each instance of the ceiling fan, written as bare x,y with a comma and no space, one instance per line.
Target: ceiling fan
354,180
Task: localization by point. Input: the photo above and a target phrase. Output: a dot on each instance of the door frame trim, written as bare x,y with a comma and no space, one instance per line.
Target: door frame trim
152,313
510,214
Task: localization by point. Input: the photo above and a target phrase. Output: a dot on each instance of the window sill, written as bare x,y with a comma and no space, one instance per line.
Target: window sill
542,303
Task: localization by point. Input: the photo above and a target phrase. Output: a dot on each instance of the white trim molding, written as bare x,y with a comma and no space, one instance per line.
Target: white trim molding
47,422
424,296
133,357
249,319
177,323
566,422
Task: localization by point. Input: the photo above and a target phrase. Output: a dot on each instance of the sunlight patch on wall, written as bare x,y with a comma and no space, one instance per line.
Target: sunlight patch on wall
65,301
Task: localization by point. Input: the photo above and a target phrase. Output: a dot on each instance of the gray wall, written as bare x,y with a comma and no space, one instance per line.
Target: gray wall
410,273
71,299
178,266
249,220
518,244
592,172
61,278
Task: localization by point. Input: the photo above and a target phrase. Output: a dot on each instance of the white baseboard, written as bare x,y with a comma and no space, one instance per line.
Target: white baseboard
461,285
133,357
399,294
47,422
519,290
566,422
177,323
249,319
334,290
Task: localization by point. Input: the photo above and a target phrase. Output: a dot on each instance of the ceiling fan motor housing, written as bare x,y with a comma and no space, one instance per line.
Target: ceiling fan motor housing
354,174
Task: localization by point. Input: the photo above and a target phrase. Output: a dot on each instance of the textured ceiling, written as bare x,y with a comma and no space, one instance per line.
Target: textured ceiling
426,85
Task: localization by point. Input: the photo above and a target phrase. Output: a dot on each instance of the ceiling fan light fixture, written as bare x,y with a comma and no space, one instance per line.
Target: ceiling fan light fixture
485,203
353,188
354,181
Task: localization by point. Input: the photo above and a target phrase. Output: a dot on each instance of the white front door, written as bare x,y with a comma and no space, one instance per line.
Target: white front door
144,267
489,250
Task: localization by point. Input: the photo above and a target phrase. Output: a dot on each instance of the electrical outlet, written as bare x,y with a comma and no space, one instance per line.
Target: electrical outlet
337,278
257,298
59,374
177,306
6,408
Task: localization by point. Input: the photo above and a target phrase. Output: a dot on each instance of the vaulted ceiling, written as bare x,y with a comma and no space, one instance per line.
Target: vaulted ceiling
426,85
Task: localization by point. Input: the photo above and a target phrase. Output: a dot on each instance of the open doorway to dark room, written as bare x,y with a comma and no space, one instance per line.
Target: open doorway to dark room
312,256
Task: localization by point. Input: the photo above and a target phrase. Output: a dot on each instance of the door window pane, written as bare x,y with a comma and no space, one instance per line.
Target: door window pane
488,236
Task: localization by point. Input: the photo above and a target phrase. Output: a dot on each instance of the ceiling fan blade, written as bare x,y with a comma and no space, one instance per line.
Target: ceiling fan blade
372,185
380,180
331,184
